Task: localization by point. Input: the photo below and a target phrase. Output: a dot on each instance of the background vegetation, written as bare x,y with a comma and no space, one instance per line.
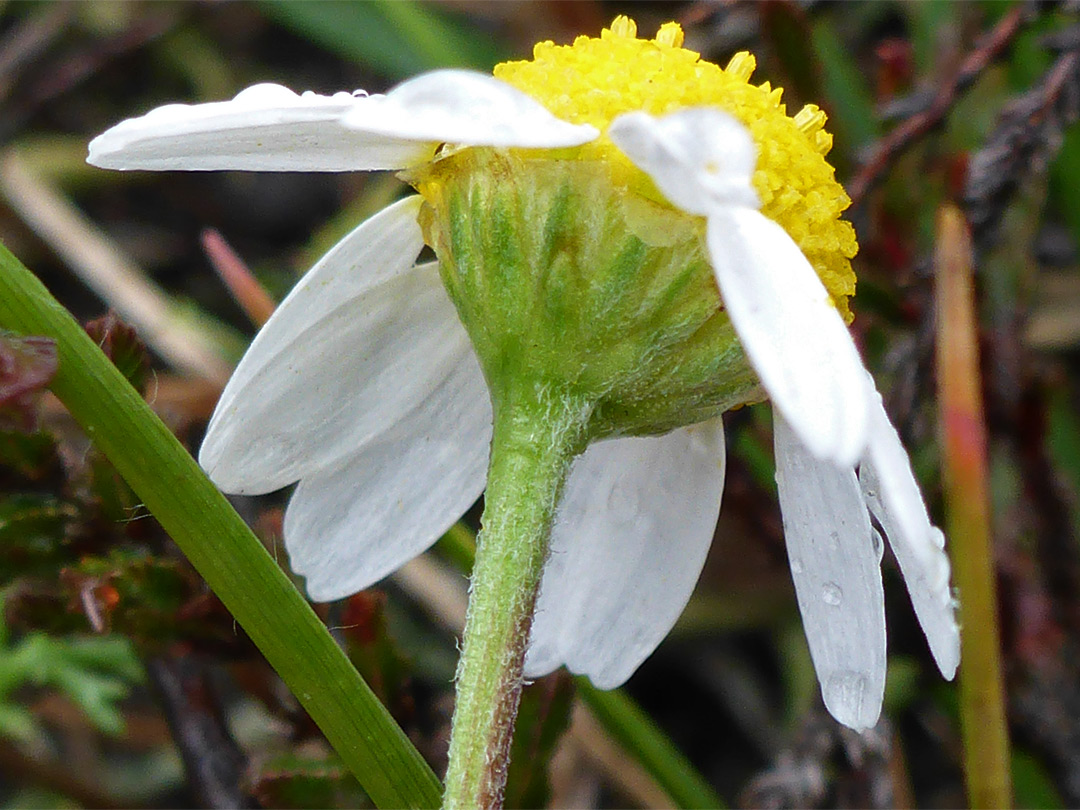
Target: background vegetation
124,681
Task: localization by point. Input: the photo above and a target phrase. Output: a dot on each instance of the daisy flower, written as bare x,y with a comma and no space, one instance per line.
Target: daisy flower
629,242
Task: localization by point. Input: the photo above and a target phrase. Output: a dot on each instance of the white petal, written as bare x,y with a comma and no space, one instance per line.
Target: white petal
359,341
703,160
836,566
793,336
348,527
632,533
347,379
462,107
700,158
892,494
267,127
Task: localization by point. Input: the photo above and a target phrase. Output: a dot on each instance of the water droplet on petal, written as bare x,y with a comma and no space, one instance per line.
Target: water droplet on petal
359,93
831,594
878,544
845,693
623,501
937,536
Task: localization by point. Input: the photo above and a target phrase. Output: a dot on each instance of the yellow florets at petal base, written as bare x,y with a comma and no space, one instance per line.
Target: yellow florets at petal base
597,79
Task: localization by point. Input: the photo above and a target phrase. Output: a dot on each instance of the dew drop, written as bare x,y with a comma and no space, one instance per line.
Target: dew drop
845,693
937,536
359,93
623,501
878,545
831,594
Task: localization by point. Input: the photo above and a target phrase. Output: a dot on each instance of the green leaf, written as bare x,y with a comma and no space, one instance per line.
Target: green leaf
32,533
29,455
1063,444
1063,186
927,21
17,723
398,39
111,655
123,346
95,674
849,100
291,781
785,27
1032,783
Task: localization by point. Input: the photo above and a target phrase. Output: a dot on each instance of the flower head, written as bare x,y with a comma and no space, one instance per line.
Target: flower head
619,220
596,80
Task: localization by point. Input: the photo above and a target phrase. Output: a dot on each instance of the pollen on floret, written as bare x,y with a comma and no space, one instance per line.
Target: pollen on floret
596,79
670,34
623,26
742,65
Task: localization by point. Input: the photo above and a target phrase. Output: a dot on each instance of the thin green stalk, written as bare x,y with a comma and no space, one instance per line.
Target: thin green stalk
618,714
982,703
535,438
222,548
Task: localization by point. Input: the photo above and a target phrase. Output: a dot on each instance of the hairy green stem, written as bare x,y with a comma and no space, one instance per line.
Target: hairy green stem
641,739
535,438
222,548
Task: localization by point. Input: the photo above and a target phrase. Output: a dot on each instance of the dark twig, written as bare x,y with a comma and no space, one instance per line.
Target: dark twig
989,48
1044,707
827,765
213,761
1028,134
78,65
1044,697
28,40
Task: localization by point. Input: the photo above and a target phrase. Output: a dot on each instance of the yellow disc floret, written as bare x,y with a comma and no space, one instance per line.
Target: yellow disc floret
596,79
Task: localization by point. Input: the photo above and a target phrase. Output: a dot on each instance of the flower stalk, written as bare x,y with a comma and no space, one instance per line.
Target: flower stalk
537,434
982,703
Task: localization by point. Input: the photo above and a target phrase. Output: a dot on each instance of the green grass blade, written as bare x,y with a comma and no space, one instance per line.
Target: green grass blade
222,548
850,102
628,724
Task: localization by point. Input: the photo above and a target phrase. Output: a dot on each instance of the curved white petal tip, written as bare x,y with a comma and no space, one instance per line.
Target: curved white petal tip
632,534
892,493
700,158
348,527
467,108
836,568
281,414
